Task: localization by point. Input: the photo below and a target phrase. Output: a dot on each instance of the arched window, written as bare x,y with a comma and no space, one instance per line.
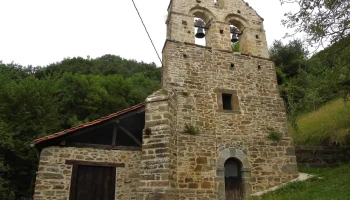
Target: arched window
200,31
235,38
239,24
202,18
233,179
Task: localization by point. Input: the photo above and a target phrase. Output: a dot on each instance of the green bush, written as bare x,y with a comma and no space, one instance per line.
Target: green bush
191,129
274,136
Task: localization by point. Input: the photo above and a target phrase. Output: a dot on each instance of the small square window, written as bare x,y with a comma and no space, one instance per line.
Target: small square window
226,101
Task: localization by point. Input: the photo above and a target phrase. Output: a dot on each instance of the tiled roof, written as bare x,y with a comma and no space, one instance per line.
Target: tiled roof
88,124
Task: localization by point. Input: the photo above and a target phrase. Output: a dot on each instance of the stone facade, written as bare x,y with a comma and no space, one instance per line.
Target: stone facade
177,165
54,176
186,166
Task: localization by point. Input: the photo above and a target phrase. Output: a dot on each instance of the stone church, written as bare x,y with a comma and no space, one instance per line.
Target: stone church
203,136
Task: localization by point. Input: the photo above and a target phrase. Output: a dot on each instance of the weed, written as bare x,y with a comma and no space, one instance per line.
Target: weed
275,136
235,47
185,94
191,129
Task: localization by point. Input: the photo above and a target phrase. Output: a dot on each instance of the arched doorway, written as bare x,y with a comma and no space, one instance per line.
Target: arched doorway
233,179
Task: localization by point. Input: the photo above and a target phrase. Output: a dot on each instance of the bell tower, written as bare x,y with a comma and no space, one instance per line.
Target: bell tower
206,131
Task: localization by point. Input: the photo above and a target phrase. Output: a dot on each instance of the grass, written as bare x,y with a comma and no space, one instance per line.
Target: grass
328,184
329,125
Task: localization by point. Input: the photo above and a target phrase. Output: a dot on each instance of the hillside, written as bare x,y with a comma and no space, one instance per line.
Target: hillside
37,101
328,125
305,83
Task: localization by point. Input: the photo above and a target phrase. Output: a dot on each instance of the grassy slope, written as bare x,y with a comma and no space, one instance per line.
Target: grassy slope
329,184
329,124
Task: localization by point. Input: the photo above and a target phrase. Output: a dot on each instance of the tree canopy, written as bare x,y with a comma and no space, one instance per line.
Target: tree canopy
308,83
322,20
37,101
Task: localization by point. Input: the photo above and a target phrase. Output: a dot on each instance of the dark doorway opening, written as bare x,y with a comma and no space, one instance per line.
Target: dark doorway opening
93,183
233,179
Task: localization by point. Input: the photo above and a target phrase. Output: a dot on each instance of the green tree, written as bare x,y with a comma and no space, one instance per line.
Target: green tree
288,58
29,109
321,20
37,101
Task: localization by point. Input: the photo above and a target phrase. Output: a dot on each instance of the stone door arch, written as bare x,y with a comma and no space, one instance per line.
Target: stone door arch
237,154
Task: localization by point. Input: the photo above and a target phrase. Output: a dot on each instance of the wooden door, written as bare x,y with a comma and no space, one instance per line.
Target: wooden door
233,180
93,183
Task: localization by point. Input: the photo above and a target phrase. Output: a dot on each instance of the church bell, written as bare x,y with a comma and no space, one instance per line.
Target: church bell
199,23
235,33
200,33
234,38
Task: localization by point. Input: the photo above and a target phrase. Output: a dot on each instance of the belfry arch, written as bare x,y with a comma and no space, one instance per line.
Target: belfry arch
207,16
241,24
203,13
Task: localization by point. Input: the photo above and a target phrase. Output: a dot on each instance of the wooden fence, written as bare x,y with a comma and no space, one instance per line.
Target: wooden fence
321,156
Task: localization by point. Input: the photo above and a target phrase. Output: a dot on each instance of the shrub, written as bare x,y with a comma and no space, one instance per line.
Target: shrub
191,129
274,136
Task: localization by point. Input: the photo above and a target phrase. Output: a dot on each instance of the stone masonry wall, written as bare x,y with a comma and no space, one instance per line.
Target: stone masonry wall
158,175
54,176
197,75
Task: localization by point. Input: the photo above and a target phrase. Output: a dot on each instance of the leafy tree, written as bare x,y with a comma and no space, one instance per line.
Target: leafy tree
321,20
307,84
288,58
28,110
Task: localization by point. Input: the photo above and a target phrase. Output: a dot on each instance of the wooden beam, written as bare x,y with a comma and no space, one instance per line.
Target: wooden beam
106,147
115,132
57,140
87,129
131,136
89,163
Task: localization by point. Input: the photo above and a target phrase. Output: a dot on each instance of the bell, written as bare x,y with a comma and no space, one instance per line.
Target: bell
200,33
234,38
234,30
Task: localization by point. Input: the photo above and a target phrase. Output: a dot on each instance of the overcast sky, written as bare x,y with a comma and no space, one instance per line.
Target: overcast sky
40,32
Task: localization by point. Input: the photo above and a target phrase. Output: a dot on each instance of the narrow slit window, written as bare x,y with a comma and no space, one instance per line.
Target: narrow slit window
226,101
